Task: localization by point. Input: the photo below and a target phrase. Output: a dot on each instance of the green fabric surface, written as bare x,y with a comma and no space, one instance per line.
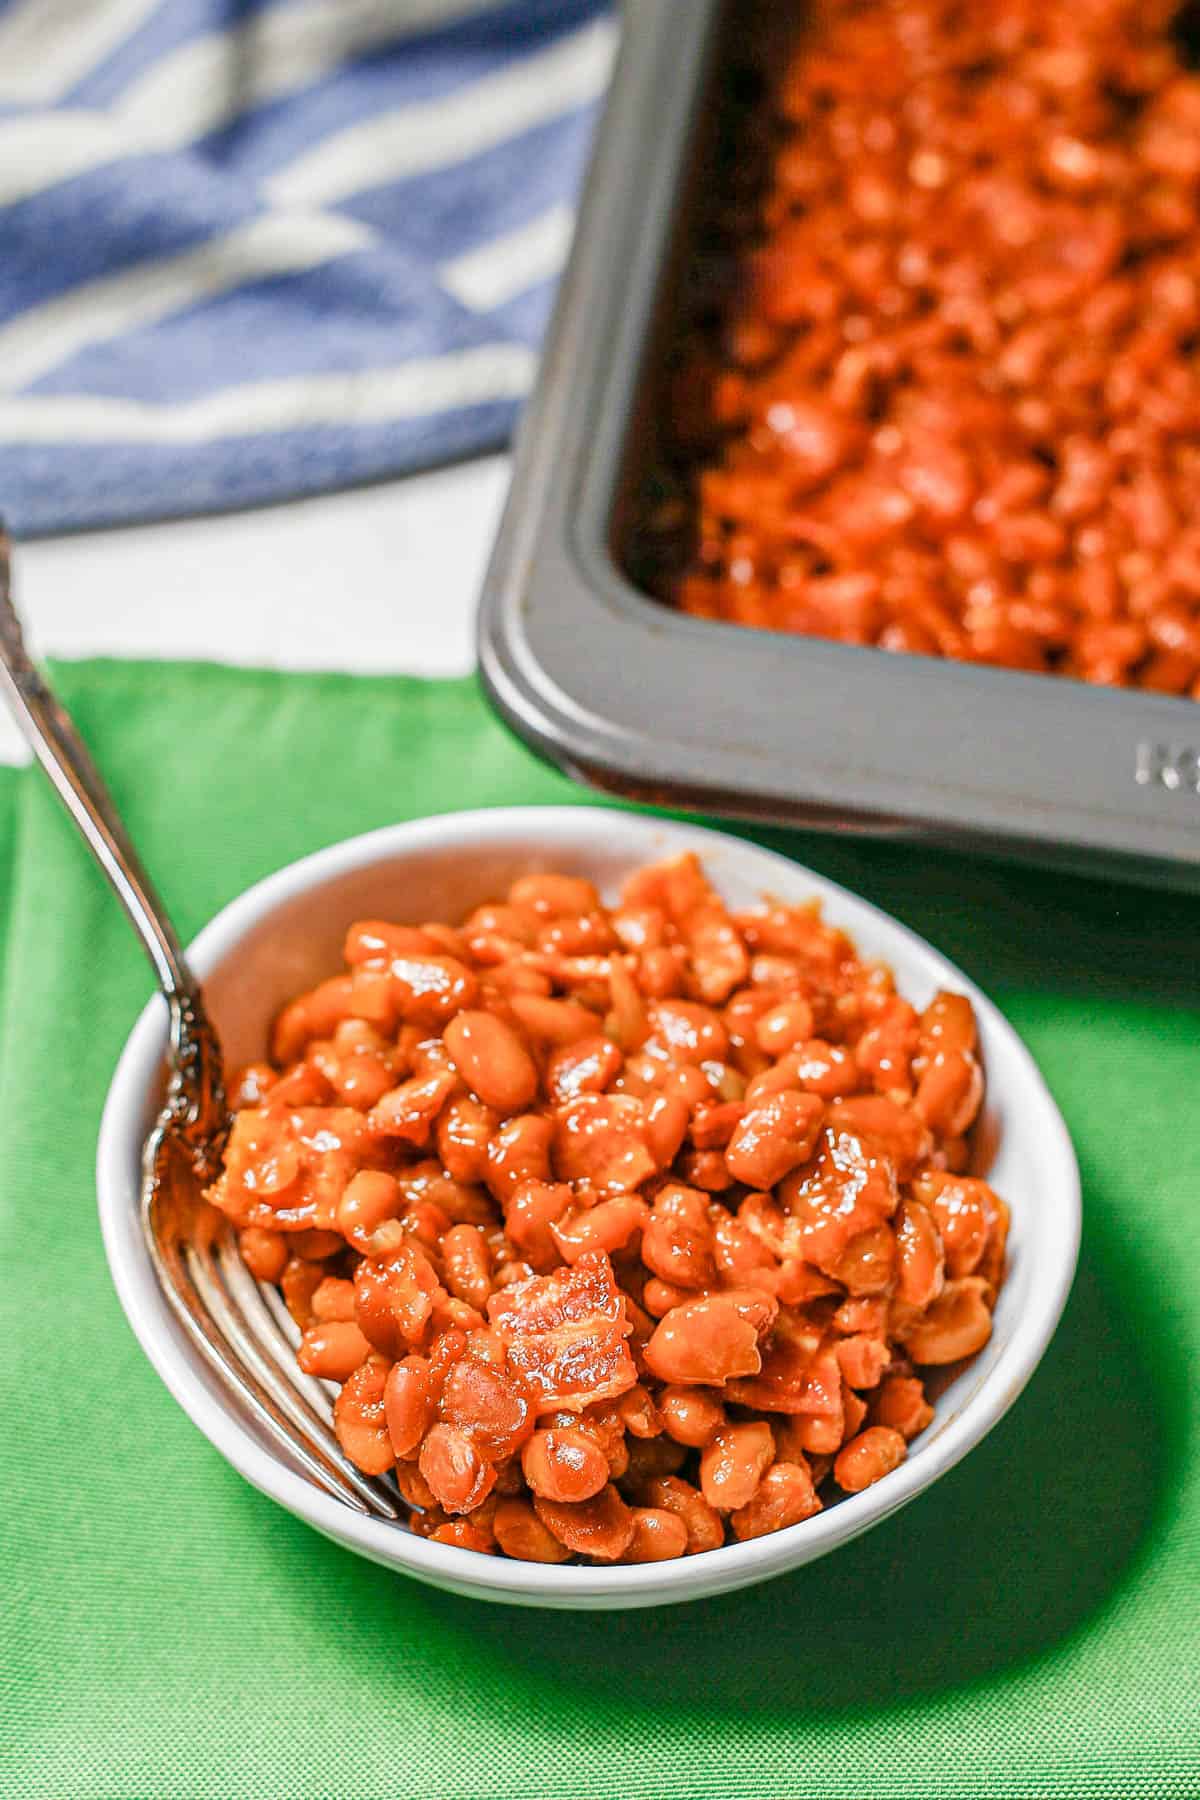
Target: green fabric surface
1030,1627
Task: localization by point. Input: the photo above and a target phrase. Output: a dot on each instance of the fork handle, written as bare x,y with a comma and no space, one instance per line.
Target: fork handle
52,736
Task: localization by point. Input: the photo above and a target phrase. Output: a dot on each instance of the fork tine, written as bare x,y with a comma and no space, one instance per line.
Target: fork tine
186,1304
313,1426
289,1331
252,1299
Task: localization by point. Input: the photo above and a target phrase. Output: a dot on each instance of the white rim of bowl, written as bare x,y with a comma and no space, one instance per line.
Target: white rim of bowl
735,1564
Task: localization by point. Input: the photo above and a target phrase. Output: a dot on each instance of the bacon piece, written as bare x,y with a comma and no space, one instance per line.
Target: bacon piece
849,1187
394,1299
288,1170
565,1334
799,1374
600,1140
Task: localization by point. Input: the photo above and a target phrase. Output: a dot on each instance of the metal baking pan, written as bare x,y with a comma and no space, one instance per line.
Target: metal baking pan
640,700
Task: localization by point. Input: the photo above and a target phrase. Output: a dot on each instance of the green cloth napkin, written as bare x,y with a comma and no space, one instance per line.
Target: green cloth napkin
1030,1627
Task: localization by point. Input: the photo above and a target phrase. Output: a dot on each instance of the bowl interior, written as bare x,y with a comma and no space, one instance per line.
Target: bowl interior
286,934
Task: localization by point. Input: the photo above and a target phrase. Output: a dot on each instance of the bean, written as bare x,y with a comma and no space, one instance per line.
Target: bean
359,1078
948,1023
689,1032
740,1256
587,1066
658,1536
919,1255
490,1405
514,981
314,1015
586,934
409,1403
785,1496
429,990
659,1297
962,1212
358,1418
368,1199
868,1457
854,1412
554,896
705,1169
565,1465
377,941
466,1264
677,1245
863,1313
464,1128
608,1227
703,1341
640,927
563,1023
713,1125
332,1350
521,1534
394,1299
408,1112
899,1402
492,1060
519,923
957,1324
733,1463
702,1521
250,1085
425,1184
334,1299
464,1534
300,1281
896,1129
638,1413
264,1253
950,1091
519,1152
991,1264
774,1137
415,1491
691,1415
534,1208
826,1069
301,1086
315,1246
457,1474
666,1126
862,1359
867,1263
601,1527
784,1027
648,1458
886,1048
660,972
625,1022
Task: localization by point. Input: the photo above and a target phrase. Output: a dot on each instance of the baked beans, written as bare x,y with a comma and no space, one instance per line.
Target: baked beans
633,1265
939,389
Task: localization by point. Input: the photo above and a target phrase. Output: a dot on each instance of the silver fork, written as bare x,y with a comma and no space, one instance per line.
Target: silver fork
241,1327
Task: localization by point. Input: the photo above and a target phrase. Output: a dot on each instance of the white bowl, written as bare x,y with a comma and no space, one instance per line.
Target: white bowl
286,933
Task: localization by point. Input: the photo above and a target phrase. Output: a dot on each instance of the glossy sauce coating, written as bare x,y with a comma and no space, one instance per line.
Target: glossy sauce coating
626,1230
939,390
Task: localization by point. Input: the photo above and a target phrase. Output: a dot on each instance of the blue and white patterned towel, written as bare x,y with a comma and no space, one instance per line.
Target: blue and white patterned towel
255,248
